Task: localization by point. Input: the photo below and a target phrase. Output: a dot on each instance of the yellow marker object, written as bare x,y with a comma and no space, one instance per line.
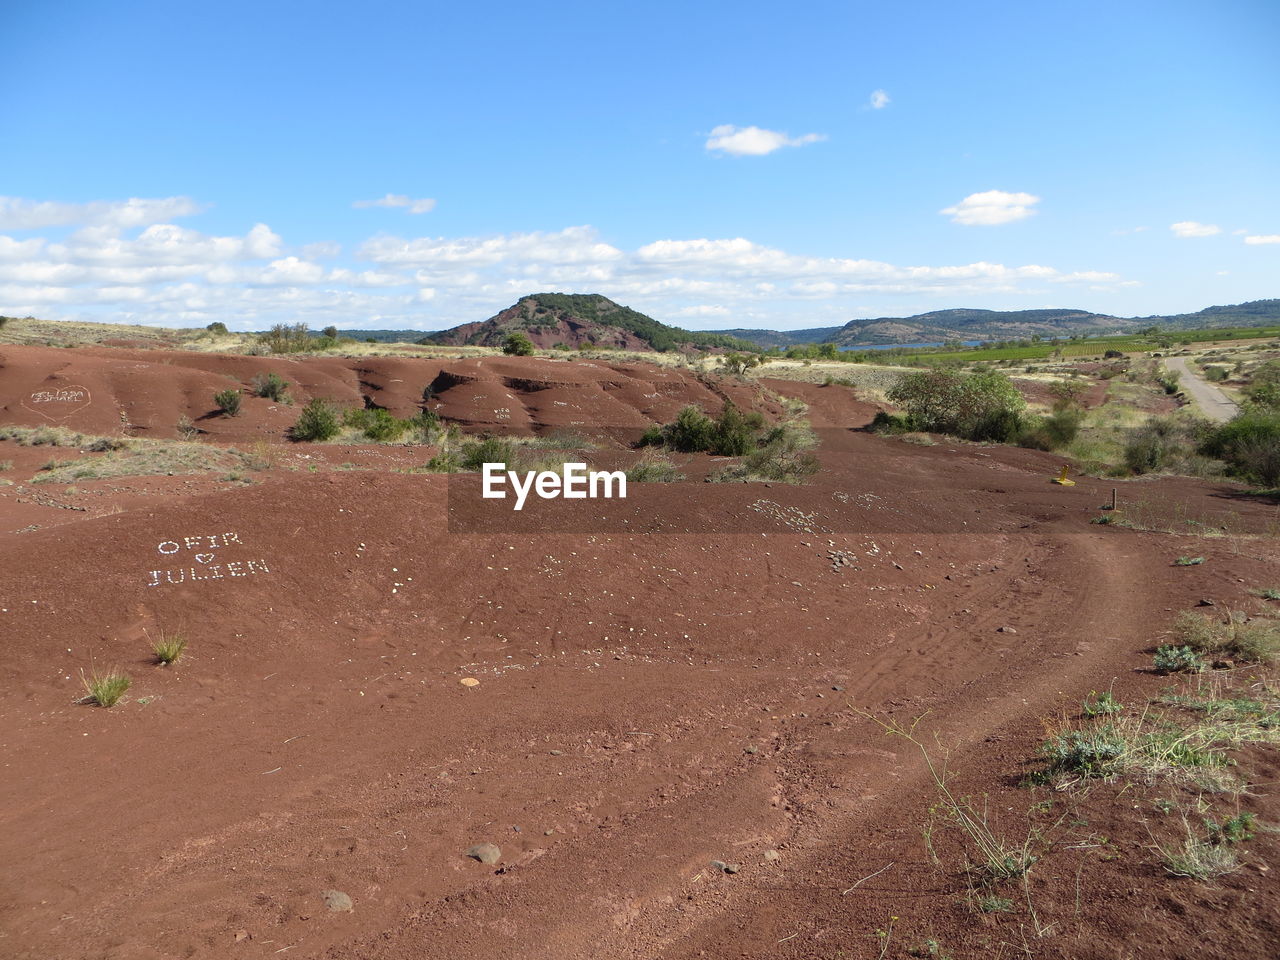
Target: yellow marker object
1062,479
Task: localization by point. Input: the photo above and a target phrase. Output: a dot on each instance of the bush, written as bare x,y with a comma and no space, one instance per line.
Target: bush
330,332
317,422
783,456
1250,445
271,386
1092,751
691,432
476,453
376,424
1097,704
1172,659
517,345
287,338
981,406
1263,390
1159,444
217,327
228,401
733,435
885,422
651,438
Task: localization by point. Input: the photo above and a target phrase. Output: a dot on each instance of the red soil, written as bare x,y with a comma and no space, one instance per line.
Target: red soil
648,702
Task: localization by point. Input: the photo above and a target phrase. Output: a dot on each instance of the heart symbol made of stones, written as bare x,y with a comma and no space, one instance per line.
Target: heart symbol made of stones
204,557
56,401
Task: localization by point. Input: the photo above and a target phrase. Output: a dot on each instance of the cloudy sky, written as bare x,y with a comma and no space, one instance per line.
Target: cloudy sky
716,164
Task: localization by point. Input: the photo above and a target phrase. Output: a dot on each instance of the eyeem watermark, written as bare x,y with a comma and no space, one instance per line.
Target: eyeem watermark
574,483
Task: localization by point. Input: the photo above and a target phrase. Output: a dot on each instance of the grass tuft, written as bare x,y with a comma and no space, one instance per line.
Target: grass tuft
104,689
168,650
1197,859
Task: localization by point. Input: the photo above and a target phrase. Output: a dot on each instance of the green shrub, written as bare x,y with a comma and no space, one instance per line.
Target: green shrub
476,453
982,406
1174,659
217,327
444,462
732,434
1092,751
317,422
1235,829
652,437
287,338
783,456
228,401
376,424
1250,445
1098,704
1158,444
271,386
691,432
885,422
330,332
1263,390
518,344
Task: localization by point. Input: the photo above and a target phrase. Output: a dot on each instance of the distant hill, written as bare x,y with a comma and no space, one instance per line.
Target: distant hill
575,320
973,324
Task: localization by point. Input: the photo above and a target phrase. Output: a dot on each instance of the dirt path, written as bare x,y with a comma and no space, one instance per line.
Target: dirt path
1213,403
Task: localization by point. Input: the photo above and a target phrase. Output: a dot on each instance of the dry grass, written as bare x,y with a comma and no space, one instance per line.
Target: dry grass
129,456
1252,640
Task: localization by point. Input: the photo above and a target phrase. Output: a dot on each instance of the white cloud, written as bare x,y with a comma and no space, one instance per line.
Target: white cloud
1189,228
991,208
1263,238
164,243
575,245
19,214
755,141
879,100
703,310
424,205
169,275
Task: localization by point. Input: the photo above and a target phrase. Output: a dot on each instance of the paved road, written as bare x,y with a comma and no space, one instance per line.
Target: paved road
1213,403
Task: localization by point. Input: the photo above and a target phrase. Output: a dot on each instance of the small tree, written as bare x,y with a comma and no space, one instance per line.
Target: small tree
980,406
330,332
217,327
228,401
317,422
517,345
739,363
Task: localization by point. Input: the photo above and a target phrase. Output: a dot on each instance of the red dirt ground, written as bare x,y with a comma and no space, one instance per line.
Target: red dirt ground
648,702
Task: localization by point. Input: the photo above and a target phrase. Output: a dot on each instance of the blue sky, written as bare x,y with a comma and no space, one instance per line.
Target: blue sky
395,164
